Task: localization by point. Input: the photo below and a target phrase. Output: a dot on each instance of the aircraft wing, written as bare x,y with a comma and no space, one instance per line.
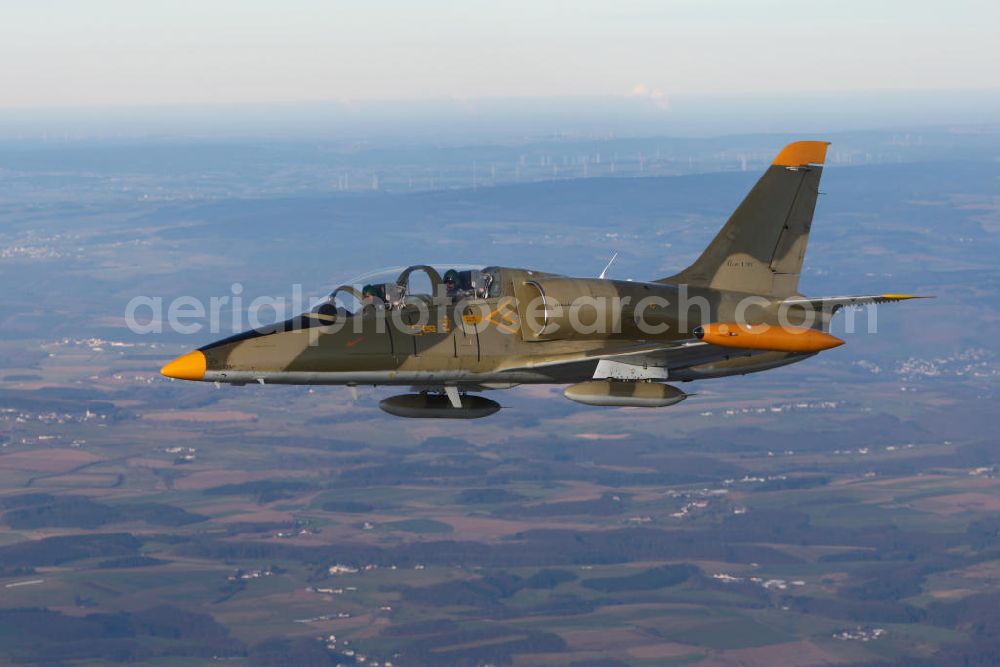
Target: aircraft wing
648,360
635,354
679,355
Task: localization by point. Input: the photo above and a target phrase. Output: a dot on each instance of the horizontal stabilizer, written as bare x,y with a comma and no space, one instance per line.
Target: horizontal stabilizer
832,304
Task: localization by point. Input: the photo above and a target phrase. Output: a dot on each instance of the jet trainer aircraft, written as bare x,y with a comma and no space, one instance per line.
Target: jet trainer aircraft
736,310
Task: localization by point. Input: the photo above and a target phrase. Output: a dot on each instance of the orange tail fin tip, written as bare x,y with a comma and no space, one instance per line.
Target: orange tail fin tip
801,153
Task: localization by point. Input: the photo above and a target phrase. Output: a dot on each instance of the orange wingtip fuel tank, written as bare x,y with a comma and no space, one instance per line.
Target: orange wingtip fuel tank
766,337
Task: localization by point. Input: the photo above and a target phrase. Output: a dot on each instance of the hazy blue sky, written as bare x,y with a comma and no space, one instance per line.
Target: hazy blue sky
124,52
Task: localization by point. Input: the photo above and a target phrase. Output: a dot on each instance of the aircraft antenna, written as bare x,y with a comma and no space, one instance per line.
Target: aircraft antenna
610,262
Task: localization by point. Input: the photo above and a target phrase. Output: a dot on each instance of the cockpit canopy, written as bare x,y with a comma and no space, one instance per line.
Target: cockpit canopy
387,290
395,288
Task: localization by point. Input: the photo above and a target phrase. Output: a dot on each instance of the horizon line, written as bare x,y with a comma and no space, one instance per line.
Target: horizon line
652,103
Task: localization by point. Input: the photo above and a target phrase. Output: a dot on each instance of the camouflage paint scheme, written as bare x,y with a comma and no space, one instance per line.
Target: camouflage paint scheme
536,327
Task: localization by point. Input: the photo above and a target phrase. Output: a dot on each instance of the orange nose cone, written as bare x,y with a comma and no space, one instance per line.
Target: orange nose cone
191,366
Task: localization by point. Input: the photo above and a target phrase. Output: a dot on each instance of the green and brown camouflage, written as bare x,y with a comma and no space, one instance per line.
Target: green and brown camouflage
735,310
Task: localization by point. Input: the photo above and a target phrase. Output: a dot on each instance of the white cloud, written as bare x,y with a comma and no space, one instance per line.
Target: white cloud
656,96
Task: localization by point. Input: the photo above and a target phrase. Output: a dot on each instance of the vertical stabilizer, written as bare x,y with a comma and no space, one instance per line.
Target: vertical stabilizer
761,247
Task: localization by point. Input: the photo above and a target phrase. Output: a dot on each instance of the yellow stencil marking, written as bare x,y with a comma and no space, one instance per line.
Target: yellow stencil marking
501,317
